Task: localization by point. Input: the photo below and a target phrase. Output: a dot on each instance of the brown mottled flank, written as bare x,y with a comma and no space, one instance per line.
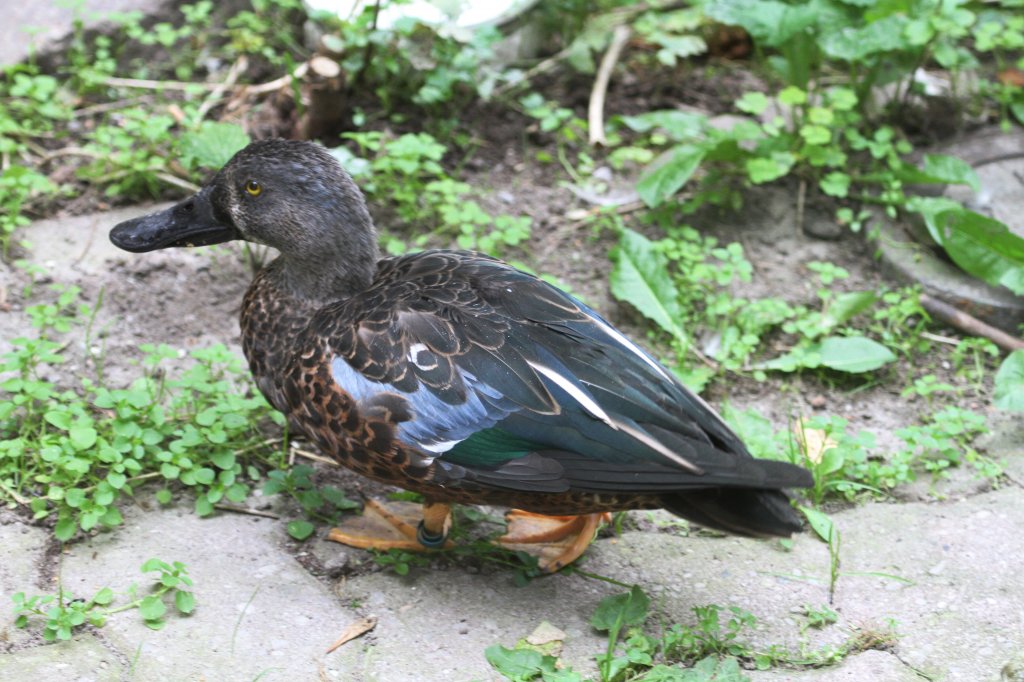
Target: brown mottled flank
290,346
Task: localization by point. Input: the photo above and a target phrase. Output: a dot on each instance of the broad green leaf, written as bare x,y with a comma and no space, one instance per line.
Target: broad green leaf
224,460
678,125
939,169
853,44
154,564
854,354
641,278
845,307
519,665
74,497
82,437
212,145
835,184
930,208
752,103
792,96
116,480
1009,383
64,529
300,530
104,596
62,420
820,522
761,170
152,608
951,169
204,475
184,601
984,247
770,22
669,173
816,135
621,610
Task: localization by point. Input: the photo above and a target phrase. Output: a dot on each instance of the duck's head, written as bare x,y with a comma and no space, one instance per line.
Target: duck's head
291,195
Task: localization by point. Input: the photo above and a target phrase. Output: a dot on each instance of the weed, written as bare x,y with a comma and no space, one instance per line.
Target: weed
399,561
714,646
406,174
63,614
321,504
79,454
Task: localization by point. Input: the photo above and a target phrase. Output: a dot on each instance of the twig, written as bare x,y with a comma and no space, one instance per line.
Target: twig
145,84
111,106
801,196
245,510
937,338
541,67
240,65
313,456
14,495
178,182
970,324
67,151
278,83
595,112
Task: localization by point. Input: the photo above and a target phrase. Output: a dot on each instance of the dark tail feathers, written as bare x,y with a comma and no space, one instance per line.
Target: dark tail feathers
742,511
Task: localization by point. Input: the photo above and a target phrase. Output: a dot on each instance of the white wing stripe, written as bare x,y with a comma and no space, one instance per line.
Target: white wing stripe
579,396
631,347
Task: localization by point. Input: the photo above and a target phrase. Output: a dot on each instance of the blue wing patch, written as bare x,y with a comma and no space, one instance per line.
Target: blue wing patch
436,425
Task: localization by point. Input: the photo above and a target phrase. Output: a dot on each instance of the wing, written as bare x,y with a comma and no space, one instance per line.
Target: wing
501,379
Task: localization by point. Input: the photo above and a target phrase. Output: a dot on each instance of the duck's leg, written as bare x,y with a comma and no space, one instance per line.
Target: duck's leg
396,525
556,541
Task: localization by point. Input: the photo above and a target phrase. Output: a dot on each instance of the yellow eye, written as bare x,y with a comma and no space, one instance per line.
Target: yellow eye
253,188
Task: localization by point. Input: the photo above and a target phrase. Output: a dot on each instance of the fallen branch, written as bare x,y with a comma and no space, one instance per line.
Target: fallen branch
595,111
970,324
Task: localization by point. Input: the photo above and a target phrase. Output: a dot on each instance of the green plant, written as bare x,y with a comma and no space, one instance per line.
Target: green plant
321,504
399,561
406,173
831,137
682,283
77,455
714,647
1009,383
63,614
411,63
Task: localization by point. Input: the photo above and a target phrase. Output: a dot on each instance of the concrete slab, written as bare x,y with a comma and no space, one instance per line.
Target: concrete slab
258,613
82,659
23,549
35,26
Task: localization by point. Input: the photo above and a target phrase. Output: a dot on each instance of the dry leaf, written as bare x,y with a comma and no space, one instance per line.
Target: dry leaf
352,631
814,442
545,633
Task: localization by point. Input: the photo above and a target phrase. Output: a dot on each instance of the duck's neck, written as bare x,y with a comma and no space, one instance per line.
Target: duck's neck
327,278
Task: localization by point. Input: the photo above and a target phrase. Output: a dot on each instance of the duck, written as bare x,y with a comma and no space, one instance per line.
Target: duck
457,376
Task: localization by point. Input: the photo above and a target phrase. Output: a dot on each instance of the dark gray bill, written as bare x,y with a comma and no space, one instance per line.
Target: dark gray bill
189,223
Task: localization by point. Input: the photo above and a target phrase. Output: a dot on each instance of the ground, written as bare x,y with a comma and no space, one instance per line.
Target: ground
936,575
